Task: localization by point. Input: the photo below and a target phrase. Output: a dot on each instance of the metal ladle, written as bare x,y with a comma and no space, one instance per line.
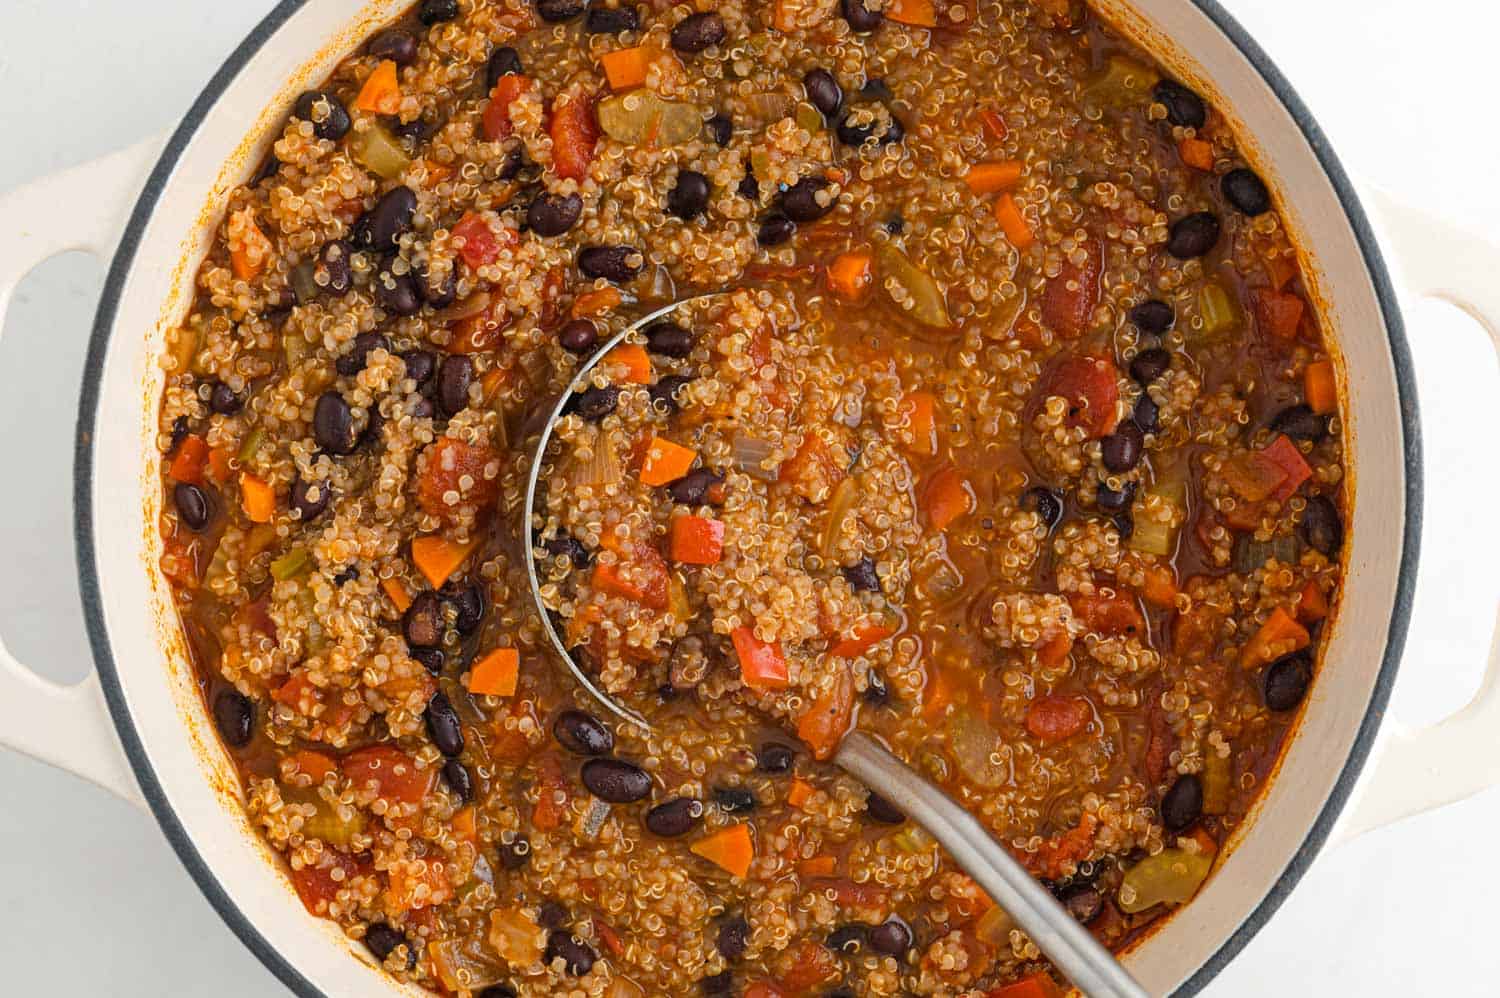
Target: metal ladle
1071,948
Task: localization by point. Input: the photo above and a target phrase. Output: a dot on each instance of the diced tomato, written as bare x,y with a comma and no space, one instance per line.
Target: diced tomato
697,540
813,964
868,896
1055,718
643,579
1070,298
495,122
1058,855
1278,313
1091,388
418,883
994,125
823,725
1195,633
394,774
1037,985
1284,454
179,561
316,886
763,989
552,794
481,244
444,463
815,469
189,461
1108,613
609,937
574,133
1159,739
482,332
946,497
865,637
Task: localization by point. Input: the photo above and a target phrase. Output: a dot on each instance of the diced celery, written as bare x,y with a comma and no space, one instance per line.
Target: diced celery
1217,309
303,285
251,445
1124,83
640,116
1172,876
809,118
290,565
378,151
1153,537
928,305
1216,783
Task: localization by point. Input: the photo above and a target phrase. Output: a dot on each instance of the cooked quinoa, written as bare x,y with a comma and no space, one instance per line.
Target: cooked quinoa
1007,434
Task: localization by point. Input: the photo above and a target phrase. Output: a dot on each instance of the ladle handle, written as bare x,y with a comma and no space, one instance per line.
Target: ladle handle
1091,967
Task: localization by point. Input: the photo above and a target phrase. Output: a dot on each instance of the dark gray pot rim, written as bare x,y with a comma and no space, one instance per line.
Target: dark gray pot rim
224,904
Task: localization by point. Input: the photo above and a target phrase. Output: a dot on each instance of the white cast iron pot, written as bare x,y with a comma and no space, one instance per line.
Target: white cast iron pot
143,688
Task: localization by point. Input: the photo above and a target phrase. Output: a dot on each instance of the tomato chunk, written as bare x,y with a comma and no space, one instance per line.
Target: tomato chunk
574,134
1070,298
495,122
447,463
1090,386
1055,718
394,773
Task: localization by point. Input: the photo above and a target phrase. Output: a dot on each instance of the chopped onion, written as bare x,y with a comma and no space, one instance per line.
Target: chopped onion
750,455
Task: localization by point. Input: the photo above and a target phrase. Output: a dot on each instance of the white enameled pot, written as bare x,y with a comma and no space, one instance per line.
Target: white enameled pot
143,694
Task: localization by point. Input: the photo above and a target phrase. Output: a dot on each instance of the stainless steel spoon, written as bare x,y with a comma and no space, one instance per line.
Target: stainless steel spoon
1091,967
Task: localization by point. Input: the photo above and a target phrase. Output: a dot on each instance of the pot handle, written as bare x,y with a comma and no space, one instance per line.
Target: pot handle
83,208
1419,770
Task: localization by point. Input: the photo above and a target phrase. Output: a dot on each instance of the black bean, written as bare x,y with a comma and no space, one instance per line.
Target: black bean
891,937
353,360
775,230
862,576
689,196
1184,108
498,991
775,758
395,44
733,937
415,131
436,297
876,691
332,272
734,800
697,32
437,11
611,20
617,264
458,780
1300,423
346,575
397,293
234,715
223,400
1182,804
692,489
578,336
1286,680
553,214
1045,503
861,18
442,725
1244,189
882,810
1083,901
333,424
431,658
1121,450
595,403
1149,365
420,365
193,506
1154,316
268,169
1112,501
824,92
721,983
1322,526
1124,524
360,237
515,854
552,915
330,119
664,392
575,954
504,61
674,818
558,11
894,132
800,201
455,375
1147,414
391,218
468,605
616,781
721,127
847,938
852,134
894,224
570,548
669,339
1193,236
422,623
308,499
180,430
582,733
748,187
382,940
876,89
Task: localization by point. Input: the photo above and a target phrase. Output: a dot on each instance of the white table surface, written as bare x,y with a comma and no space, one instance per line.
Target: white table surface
94,902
